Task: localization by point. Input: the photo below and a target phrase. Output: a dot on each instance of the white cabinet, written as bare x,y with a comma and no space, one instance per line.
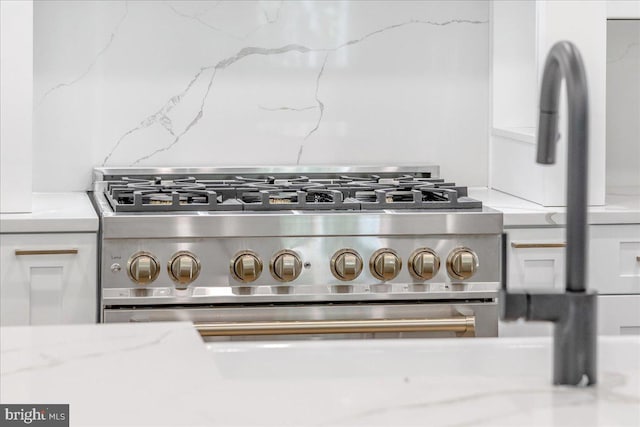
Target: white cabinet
536,258
619,314
536,261
614,259
48,278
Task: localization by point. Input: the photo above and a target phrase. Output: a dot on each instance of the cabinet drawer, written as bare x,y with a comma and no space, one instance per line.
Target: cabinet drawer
536,258
48,279
614,259
619,314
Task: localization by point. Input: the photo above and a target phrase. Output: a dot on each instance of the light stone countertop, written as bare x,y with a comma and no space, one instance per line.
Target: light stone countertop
73,212
161,374
53,213
621,208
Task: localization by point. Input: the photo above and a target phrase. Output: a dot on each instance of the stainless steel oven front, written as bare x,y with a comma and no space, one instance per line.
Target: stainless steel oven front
339,272
348,320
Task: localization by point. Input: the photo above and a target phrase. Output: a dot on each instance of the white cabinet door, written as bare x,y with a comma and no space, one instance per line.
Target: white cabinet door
48,279
614,259
535,258
536,261
619,314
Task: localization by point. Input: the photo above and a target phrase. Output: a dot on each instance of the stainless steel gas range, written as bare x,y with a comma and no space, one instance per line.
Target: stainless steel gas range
297,251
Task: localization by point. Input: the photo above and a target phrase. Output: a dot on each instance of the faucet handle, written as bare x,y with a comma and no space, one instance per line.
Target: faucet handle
513,305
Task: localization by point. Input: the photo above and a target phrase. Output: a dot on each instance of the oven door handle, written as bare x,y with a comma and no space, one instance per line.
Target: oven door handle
462,325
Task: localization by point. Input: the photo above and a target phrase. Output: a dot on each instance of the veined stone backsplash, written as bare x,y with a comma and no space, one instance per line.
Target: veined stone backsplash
205,83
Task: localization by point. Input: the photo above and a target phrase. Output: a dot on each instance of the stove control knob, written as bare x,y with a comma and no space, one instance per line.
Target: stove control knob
346,264
143,268
424,263
183,268
285,266
245,266
385,264
462,263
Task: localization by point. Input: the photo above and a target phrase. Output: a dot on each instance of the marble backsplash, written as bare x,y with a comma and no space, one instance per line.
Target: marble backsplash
203,83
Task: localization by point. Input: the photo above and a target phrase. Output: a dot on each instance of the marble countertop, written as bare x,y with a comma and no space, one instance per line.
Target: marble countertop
53,213
73,212
162,374
622,207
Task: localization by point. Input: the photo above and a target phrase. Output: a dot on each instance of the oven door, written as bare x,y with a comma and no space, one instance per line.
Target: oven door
304,321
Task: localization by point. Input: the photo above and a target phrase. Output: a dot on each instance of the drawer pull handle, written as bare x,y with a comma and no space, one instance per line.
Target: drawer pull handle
20,252
465,324
515,245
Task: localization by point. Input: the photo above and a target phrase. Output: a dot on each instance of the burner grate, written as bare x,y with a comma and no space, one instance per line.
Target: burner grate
269,193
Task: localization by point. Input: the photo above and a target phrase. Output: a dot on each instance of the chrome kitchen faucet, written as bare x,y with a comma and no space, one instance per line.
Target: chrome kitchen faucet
574,311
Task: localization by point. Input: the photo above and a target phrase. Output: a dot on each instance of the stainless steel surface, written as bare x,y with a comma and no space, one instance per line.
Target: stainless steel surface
574,311
246,294
385,264
537,245
460,325
267,224
102,173
315,279
27,252
346,264
215,259
424,264
462,263
484,312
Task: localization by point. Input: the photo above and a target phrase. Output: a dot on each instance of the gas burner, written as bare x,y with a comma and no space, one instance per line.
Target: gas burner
265,180
291,199
420,197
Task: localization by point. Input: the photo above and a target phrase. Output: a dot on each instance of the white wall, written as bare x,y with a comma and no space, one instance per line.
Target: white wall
16,91
623,106
513,166
515,74
226,83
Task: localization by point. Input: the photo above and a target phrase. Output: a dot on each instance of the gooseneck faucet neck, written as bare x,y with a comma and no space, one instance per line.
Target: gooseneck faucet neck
575,311
564,61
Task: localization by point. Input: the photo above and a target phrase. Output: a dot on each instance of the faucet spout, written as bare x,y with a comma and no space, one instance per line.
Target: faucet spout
573,312
564,61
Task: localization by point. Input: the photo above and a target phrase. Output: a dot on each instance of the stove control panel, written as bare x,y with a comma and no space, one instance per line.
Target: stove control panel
308,266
